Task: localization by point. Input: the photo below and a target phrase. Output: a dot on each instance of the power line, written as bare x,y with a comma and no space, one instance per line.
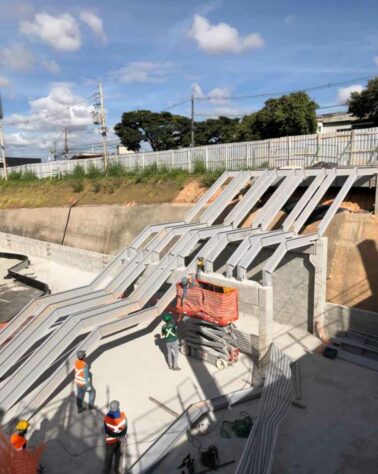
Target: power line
183,101
271,94
200,114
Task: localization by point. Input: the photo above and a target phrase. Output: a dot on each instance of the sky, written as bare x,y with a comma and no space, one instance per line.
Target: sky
154,54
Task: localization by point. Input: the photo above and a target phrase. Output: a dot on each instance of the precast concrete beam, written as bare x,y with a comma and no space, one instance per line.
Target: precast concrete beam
208,195
336,202
224,239
307,195
284,247
314,201
260,185
265,240
220,204
278,199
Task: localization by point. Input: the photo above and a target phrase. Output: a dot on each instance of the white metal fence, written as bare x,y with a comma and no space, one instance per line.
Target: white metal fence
351,148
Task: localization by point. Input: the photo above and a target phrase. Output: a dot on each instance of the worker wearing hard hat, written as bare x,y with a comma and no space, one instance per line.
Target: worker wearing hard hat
18,439
83,382
169,331
115,426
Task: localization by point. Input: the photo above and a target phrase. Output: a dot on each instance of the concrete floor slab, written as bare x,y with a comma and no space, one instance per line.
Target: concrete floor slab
131,373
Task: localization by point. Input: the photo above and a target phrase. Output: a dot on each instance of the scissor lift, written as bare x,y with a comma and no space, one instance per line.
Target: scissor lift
209,342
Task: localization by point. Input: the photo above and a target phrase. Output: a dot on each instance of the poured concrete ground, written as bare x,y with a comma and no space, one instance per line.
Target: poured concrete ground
335,433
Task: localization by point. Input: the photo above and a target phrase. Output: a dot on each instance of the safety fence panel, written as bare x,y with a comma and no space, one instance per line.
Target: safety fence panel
349,148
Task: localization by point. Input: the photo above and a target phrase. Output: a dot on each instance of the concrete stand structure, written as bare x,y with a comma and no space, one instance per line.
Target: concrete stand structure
280,275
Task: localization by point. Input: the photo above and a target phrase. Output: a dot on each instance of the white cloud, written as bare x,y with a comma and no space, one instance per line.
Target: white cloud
47,117
197,91
375,60
61,32
222,38
220,94
343,93
50,65
4,82
17,58
94,23
60,108
289,19
143,71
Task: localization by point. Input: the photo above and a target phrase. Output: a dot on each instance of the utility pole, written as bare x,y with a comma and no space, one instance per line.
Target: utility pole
103,127
5,173
192,122
66,143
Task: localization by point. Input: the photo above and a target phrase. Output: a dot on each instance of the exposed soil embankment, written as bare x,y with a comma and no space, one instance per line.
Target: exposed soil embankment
353,261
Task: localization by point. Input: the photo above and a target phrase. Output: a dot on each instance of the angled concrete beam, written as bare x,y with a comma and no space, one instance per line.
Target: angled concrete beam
307,195
220,245
220,204
336,203
278,200
314,201
284,247
260,185
242,250
258,243
209,194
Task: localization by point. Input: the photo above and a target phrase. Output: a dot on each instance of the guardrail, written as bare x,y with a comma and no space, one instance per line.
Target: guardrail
351,148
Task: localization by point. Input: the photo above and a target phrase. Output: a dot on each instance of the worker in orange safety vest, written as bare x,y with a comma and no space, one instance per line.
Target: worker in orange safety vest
18,439
115,426
83,381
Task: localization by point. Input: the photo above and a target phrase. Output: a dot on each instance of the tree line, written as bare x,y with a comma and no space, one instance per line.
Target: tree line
292,114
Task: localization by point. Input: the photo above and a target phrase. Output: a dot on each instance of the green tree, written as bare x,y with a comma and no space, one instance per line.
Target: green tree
292,114
364,104
212,131
162,130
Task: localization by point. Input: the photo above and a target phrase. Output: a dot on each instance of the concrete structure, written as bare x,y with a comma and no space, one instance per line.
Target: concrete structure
288,269
74,257
102,229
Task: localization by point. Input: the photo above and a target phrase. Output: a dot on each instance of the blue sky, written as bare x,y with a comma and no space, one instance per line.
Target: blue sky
152,54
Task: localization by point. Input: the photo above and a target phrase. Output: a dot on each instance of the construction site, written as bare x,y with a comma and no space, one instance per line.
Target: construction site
272,278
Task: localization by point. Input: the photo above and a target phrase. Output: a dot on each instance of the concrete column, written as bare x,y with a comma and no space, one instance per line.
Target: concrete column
265,319
319,261
376,195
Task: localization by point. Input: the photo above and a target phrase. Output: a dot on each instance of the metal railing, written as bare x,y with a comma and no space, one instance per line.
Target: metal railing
351,148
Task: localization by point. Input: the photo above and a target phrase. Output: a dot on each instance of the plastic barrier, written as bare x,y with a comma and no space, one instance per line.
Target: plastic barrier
209,302
18,462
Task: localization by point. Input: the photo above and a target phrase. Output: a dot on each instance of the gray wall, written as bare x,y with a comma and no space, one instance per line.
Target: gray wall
341,318
103,229
85,260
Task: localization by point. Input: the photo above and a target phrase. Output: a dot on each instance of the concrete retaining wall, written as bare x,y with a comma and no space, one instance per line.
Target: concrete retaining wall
83,259
103,229
341,318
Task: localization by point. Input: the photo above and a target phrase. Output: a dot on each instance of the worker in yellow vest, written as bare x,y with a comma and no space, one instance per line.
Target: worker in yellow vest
83,381
115,426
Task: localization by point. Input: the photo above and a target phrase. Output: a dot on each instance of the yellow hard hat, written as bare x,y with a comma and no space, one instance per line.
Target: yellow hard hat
22,425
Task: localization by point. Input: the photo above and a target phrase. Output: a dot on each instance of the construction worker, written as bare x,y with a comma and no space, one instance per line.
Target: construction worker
83,381
115,425
17,439
169,331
